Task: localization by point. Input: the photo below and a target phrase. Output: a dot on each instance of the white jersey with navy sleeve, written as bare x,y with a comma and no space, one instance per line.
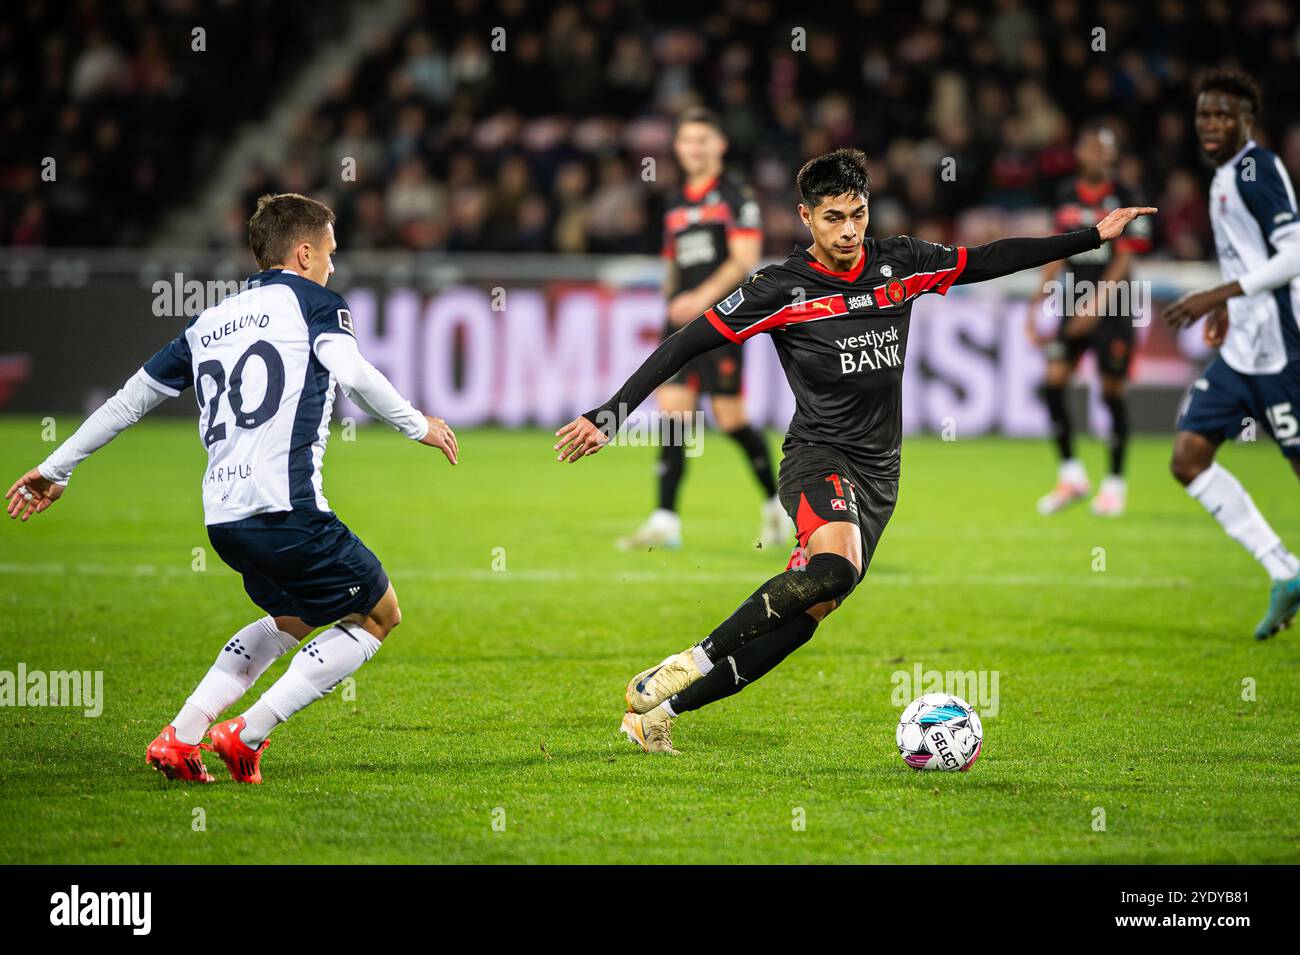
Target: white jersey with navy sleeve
264,397
1252,206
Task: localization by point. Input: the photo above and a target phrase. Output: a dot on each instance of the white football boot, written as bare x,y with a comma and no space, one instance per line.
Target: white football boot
1071,485
777,530
651,687
661,529
1110,499
652,731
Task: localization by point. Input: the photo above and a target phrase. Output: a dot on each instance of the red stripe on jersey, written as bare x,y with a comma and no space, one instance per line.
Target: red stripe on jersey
1069,218
806,521
744,233
675,220
938,281
953,273
1092,194
721,326
1130,243
851,275
827,306
695,195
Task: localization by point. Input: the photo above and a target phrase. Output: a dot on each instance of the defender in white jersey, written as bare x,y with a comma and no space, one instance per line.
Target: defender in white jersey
1253,321
263,364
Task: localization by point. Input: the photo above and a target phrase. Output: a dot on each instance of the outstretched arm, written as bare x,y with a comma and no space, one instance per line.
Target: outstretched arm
375,395
587,434
42,486
1005,256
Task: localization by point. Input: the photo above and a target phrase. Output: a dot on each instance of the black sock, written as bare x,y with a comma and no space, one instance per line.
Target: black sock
781,600
1118,433
760,458
753,660
672,465
1061,429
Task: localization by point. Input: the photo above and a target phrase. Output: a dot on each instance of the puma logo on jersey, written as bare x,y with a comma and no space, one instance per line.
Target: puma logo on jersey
768,604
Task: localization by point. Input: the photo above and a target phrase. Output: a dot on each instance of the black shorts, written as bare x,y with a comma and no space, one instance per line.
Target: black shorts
302,564
716,372
1111,342
818,486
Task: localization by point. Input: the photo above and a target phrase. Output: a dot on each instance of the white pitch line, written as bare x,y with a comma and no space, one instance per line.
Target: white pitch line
553,575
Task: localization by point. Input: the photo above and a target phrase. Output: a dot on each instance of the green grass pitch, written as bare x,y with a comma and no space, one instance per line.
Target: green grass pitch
485,729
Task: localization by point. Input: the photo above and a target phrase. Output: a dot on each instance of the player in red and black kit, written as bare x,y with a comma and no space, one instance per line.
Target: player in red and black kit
838,314
712,240
1097,316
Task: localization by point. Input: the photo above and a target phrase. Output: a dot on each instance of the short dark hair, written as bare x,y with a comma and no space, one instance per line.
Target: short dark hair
838,173
1234,83
281,222
698,114
1097,127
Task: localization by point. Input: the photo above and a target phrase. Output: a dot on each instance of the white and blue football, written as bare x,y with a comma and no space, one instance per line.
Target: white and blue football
940,731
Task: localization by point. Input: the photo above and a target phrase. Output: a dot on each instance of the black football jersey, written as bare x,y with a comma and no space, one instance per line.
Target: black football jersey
698,224
1080,204
842,339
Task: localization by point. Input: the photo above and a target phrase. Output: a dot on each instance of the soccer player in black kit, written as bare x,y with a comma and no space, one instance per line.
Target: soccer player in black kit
838,315
1102,322
712,240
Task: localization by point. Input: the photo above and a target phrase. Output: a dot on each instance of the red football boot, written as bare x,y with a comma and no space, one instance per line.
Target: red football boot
177,760
239,757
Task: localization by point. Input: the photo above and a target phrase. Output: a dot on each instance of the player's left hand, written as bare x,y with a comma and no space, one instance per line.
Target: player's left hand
1191,307
1112,227
31,494
578,439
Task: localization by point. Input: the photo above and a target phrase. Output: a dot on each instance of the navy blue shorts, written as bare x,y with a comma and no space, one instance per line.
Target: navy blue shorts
1223,401
302,564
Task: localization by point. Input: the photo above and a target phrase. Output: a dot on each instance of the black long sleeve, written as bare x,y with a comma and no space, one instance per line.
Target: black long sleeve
673,352
1004,256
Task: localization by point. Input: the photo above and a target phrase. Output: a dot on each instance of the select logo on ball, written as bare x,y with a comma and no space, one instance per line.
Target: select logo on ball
940,731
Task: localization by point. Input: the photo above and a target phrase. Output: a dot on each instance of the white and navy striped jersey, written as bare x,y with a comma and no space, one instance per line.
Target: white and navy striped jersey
1252,206
264,397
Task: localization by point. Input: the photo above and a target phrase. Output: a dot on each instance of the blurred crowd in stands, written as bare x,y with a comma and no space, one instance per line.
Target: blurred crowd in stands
526,125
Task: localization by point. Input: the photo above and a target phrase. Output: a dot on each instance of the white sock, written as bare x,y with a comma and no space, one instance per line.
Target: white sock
323,663
702,662
1227,501
1072,470
243,659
